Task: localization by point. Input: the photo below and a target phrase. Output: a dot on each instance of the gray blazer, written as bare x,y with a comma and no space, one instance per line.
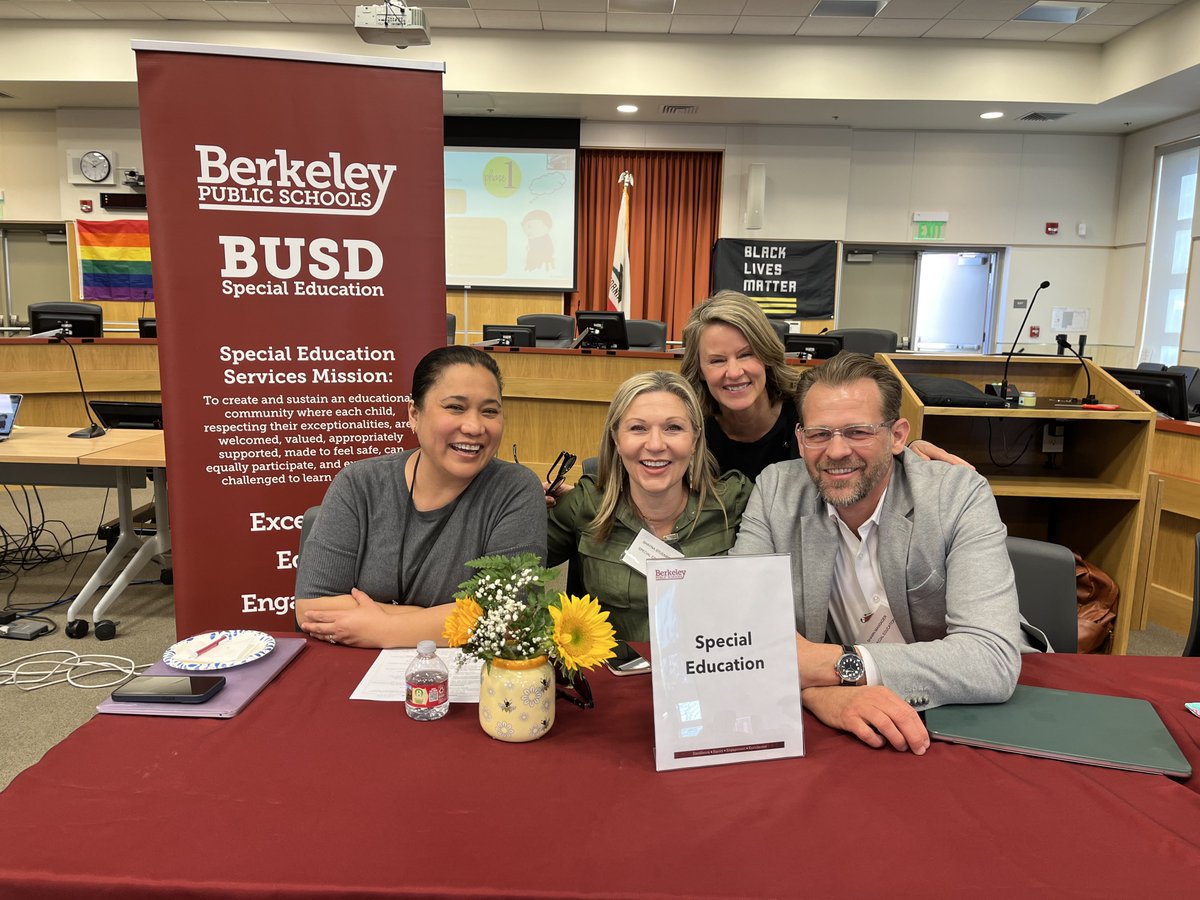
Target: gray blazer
945,567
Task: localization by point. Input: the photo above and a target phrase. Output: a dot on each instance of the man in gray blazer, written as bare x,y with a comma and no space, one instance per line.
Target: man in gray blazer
904,592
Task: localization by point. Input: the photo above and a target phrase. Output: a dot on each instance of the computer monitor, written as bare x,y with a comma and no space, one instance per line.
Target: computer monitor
147,327
1191,375
813,346
511,335
601,329
127,413
1165,391
75,319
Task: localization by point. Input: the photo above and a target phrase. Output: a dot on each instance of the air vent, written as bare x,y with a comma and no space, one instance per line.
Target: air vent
1042,117
671,109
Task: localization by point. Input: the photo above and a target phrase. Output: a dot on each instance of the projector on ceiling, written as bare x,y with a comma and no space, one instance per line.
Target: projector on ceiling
392,23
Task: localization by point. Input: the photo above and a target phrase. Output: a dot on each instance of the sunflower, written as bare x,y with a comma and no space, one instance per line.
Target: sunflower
581,632
460,624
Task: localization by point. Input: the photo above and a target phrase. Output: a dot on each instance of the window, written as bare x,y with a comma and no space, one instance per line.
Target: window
1170,249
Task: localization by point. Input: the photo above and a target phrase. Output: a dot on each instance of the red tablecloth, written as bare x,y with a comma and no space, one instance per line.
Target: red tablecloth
308,793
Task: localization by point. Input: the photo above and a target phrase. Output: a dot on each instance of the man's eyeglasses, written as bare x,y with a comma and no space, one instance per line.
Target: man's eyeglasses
557,473
579,693
816,436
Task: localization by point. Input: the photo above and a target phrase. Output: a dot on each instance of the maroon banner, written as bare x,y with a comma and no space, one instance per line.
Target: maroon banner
295,204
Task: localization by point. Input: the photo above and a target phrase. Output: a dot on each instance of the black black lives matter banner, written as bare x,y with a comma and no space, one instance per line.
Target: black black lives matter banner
297,220
786,278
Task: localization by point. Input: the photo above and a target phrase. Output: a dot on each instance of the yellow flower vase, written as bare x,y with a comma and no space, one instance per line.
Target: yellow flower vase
516,699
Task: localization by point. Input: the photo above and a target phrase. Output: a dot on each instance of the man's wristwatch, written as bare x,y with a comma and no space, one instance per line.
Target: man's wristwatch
849,667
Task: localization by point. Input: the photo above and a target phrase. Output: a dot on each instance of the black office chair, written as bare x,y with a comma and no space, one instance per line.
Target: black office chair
646,334
1192,647
781,329
867,340
451,327
1151,367
1045,576
550,330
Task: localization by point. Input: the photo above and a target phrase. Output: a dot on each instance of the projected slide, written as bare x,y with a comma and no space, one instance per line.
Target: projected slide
510,218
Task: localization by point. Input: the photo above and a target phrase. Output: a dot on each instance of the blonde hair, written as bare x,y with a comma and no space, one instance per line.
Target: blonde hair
740,312
700,477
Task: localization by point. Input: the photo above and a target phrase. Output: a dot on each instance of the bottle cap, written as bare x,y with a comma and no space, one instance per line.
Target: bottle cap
425,648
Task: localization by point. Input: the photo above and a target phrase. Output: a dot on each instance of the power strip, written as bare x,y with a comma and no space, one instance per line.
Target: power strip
23,630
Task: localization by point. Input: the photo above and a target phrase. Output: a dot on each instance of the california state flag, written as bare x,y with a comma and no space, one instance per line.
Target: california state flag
618,280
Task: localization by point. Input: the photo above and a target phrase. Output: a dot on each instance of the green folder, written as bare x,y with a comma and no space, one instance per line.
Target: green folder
1116,732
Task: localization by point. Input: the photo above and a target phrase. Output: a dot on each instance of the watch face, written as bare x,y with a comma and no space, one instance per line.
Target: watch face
95,166
850,667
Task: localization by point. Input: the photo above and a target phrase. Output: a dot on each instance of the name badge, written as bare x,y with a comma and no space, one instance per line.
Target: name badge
877,627
646,546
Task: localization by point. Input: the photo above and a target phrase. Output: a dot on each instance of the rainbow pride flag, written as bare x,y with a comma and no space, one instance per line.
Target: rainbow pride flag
114,259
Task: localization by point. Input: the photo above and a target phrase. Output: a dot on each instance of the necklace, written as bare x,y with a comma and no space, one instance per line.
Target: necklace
663,522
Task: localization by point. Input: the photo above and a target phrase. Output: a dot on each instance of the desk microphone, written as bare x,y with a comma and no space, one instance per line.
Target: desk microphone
1004,380
1064,344
93,430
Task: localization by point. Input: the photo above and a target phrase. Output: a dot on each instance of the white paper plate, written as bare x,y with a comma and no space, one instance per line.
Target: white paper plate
180,655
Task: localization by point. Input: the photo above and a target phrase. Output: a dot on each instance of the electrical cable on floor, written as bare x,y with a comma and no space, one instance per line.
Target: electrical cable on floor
31,672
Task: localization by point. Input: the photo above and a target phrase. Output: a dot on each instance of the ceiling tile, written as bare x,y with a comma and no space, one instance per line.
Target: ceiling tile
702,24
778,7
249,12
187,10
995,10
828,26
502,4
639,23
961,29
708,7
316,13
511,20
1125,13
917,9
121,12
573,21
12,11
55,9
1084,33
447,4
571,5
898,28
767,24
451,18
1026,31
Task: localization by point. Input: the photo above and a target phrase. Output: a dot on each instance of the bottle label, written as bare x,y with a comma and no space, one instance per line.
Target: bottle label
425,696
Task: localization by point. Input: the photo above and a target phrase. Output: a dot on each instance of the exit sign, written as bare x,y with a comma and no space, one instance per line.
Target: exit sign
930,231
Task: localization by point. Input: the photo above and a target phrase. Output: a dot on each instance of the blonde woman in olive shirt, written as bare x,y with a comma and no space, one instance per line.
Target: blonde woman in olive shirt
655,474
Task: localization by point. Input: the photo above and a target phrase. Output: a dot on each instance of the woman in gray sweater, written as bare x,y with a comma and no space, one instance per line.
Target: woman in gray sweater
395,532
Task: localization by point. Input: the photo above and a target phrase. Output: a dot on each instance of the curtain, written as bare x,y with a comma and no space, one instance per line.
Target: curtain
673,220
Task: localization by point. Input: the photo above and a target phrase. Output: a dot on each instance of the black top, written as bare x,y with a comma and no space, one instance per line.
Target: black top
751,457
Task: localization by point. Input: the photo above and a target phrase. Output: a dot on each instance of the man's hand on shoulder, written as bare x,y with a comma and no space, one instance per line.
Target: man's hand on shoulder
874,714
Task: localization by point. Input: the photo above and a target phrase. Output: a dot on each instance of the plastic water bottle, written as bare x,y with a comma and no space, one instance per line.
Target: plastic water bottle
427,684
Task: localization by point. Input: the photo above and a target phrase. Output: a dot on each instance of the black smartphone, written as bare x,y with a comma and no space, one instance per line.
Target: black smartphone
169,688
627,661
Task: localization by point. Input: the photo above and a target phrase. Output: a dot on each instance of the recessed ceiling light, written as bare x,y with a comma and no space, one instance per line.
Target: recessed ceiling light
991,115
627,108
1061,12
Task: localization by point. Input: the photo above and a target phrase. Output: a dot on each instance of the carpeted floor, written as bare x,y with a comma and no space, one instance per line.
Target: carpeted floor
34,721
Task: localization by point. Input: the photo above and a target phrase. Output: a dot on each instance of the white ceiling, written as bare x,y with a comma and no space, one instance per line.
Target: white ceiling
733,28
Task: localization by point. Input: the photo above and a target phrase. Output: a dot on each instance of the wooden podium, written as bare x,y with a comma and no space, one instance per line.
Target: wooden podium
1089,496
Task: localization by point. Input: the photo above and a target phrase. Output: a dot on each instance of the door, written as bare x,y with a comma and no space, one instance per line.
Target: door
952,313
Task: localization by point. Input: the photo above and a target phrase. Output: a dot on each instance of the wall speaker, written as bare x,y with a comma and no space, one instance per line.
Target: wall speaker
756,191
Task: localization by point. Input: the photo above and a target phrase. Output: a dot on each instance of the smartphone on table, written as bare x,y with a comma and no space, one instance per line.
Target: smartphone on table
169,688
627,661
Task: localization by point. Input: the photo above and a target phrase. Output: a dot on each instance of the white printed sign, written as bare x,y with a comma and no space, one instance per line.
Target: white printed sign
726,679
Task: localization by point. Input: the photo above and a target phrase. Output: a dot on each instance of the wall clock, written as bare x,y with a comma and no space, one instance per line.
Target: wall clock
95,166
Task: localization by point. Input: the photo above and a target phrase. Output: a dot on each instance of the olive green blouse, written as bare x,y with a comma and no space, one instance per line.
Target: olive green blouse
620,589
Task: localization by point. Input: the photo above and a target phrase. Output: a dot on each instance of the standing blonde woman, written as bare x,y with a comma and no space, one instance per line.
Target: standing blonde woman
655,475
734,360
